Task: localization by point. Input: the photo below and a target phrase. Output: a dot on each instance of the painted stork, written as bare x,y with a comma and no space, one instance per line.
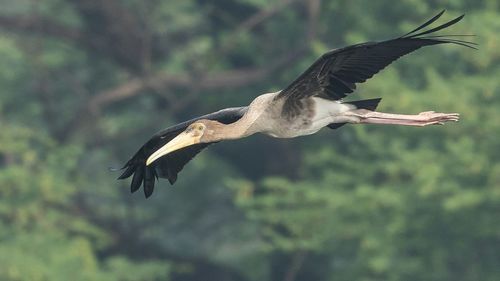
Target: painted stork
311,102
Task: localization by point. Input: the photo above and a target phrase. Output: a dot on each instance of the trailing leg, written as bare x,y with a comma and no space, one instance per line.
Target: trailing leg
420,120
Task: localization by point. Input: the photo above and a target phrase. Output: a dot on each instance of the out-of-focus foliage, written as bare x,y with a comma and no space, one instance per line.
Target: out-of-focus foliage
84,83
43,232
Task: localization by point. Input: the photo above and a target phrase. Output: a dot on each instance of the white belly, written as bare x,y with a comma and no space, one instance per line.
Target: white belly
325,112
328,112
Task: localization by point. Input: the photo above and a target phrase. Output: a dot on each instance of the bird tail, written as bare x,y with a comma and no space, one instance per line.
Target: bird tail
370,104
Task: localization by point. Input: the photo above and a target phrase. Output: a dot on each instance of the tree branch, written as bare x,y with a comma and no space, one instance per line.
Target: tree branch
297,262
226,79
39,25
136,86
263,15
313,9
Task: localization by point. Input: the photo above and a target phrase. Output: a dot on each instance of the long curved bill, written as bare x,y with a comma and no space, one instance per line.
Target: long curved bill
181,141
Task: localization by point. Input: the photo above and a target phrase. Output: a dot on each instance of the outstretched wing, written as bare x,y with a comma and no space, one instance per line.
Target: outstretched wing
335,74
170,165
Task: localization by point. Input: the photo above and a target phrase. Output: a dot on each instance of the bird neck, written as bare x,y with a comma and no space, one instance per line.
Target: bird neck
247,125
236,130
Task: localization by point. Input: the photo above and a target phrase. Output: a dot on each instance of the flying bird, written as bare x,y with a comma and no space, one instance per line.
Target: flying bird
311,102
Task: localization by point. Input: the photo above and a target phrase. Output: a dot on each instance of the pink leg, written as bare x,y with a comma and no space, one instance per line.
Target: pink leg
421,119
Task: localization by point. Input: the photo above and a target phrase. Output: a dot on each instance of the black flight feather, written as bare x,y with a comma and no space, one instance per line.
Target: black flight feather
149,182
128,172
137,178
433,19
443,26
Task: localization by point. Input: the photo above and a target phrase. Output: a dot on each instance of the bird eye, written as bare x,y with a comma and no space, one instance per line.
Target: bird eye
200,128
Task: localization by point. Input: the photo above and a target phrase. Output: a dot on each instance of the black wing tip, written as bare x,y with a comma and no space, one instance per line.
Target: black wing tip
148,190
148,181
172,178
142,175
437,39
413,34
425,24
468,44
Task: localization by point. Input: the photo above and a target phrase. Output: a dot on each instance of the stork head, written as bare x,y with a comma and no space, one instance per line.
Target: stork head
201,131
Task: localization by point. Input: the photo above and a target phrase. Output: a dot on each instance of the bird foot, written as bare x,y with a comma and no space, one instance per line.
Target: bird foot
422,119
433,118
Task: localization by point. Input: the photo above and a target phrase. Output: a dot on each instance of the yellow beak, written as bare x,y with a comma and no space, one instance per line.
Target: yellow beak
181,141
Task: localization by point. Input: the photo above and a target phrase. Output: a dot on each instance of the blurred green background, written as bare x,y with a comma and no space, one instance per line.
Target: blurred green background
83,83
